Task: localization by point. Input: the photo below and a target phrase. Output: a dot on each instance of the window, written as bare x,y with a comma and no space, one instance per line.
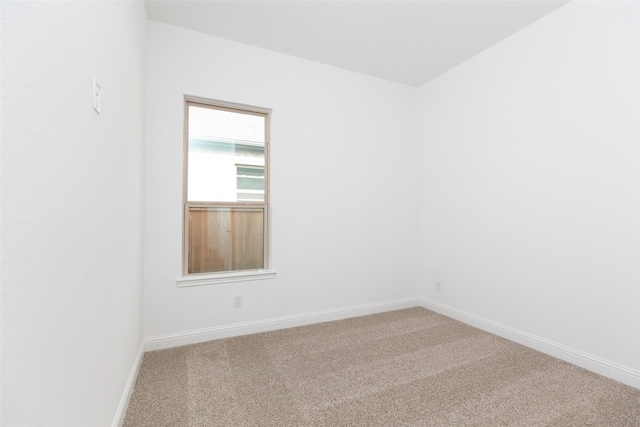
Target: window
226,189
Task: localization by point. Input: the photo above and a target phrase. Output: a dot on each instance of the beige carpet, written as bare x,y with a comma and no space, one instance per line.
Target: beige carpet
404,368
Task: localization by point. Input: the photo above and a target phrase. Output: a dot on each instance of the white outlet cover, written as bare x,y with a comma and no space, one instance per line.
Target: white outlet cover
96,96
237,301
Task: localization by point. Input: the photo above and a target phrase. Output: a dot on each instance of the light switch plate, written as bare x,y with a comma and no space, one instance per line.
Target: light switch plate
96,96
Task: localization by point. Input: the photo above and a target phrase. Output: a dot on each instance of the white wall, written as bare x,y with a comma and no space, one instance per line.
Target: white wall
71,209
529,189
343,182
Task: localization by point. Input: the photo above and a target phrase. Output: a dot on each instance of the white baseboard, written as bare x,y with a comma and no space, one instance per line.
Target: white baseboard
118,420
201,335
587,361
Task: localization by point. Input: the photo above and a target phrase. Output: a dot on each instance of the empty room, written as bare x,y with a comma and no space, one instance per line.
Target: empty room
320,213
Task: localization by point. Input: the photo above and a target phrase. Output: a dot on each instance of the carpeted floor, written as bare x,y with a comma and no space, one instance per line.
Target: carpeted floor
403,368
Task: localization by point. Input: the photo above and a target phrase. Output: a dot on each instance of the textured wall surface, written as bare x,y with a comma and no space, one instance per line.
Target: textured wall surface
71,209
529,189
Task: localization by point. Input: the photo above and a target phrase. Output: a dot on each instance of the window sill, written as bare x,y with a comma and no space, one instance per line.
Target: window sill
213,279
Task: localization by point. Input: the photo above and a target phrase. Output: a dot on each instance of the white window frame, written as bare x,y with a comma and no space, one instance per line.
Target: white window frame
198,279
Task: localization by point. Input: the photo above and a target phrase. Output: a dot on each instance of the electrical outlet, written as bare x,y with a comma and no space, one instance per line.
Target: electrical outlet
439,286
237,301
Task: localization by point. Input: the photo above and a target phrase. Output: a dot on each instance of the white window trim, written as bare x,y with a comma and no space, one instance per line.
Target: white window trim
216,278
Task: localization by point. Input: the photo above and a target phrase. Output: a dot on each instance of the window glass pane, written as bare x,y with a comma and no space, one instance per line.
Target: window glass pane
245,183
225,125
218,141
250,183
250,171
225,239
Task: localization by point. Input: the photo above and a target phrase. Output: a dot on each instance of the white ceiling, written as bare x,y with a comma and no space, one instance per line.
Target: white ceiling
409,42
